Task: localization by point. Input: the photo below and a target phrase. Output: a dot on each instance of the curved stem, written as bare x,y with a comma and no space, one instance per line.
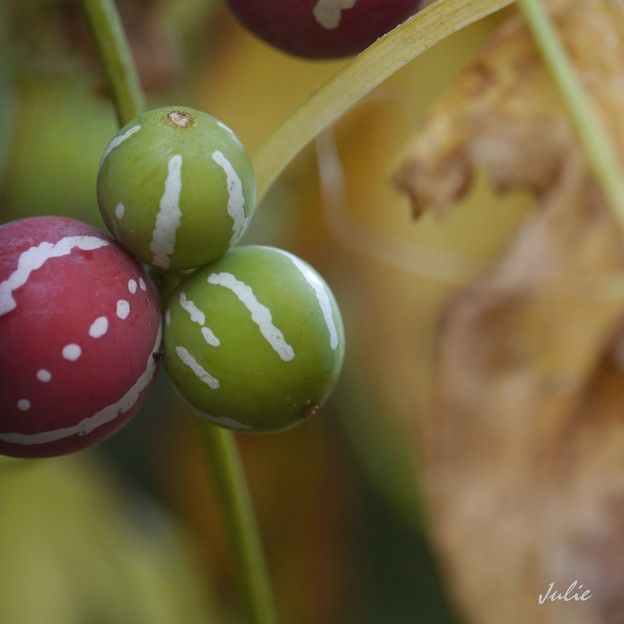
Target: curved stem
239,522
361,76
592,136
115,58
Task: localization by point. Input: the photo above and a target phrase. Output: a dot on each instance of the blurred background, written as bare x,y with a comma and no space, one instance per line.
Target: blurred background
130,532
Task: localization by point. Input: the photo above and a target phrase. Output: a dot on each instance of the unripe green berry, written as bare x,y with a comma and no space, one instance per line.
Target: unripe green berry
255,340
176,188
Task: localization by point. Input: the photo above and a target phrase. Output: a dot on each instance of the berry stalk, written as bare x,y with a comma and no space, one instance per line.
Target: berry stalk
115,58
221,451
240,525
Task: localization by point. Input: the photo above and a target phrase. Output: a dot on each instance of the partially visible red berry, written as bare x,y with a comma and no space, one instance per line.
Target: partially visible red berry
322,28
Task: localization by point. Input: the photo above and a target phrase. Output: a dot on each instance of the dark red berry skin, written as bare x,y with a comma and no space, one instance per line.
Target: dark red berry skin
79,324
320,29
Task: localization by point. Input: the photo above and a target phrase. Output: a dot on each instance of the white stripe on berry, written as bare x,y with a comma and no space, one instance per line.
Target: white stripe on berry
118,140
230,423
260,314
197,316
103,417
210,337
169,216
236,199
227,129
321,296
35,257
203,375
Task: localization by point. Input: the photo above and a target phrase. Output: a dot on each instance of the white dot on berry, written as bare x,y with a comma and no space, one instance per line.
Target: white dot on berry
72,352
23,405
44,375
119,211
142,284
123,309
132,286
99,327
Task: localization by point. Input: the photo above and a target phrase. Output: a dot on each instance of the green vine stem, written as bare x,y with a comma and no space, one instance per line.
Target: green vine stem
219,444
592,136
368,70
115,58
240,525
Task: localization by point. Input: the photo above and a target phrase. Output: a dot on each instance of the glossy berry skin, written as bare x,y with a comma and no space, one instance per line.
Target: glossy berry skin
254,341
79,324
322,28
176,188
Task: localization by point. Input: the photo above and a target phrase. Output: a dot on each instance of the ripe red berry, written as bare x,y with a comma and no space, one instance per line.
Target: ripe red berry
322,28
79,324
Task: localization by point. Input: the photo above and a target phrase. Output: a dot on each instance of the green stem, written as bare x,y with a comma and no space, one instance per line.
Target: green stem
115,58
220,445
591,133
240,522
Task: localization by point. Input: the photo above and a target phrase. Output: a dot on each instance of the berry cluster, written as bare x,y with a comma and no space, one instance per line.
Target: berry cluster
253,338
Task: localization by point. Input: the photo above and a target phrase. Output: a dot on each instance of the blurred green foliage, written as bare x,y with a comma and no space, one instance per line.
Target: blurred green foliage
77,548
56,146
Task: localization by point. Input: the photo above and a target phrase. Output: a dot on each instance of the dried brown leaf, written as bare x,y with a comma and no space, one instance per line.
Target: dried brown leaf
524,441
503,114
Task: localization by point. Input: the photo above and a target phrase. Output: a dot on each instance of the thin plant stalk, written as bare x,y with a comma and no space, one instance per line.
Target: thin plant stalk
239,520
115,58
590,131
219,444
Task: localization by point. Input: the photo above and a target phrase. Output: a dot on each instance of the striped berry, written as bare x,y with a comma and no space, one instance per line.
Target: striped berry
254,341
176,188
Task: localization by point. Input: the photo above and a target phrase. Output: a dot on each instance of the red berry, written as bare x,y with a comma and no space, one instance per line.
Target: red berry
322,28
79,324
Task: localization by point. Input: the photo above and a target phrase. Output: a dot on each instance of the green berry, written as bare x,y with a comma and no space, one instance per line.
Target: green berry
255,340
176,188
